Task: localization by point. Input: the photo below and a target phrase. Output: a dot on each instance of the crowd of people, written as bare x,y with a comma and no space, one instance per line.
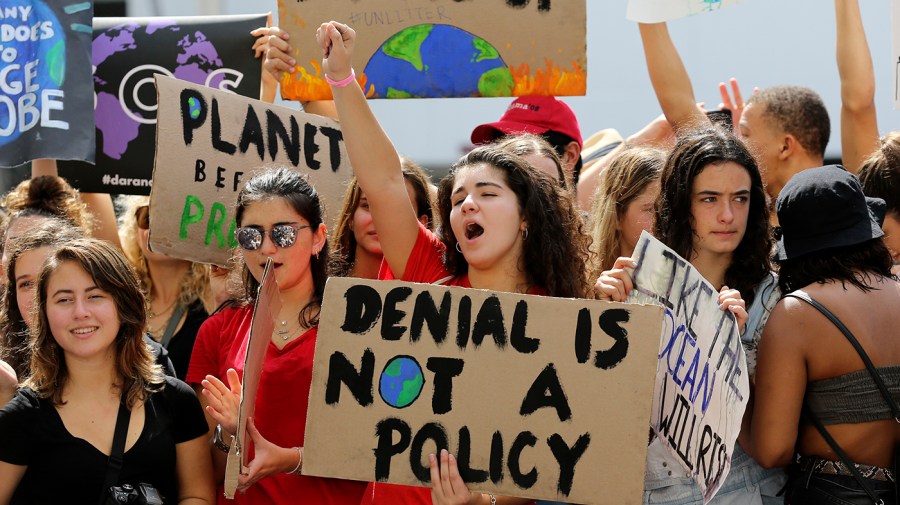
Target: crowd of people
121,367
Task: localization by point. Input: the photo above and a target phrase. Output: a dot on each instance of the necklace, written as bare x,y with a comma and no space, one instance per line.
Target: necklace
284,332
152,314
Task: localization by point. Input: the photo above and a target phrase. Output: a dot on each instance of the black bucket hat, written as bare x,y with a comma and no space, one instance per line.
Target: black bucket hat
824,208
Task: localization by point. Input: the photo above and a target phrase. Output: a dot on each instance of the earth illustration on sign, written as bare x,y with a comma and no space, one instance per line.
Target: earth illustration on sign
191,57
46,51
401,382
433,60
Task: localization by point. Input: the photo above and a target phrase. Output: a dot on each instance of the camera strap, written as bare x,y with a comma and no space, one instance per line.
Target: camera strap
117,455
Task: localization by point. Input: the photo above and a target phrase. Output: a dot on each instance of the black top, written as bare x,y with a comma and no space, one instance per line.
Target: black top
66,469
182,343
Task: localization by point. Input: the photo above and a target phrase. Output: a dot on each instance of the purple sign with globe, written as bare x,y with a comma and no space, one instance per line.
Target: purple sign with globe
45,81
127,53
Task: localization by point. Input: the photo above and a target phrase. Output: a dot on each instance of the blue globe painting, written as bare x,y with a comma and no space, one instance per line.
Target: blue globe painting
401,382
432,60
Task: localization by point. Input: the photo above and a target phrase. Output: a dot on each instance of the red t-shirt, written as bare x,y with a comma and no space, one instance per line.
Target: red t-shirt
281,403
425,264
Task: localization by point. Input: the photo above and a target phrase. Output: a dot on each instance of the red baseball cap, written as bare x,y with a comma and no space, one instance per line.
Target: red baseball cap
532,114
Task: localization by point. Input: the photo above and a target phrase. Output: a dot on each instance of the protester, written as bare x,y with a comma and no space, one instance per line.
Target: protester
880,178
89,367
357,246
279,217
505,227
836,271
623,205
178,291
546,116
538,153
27,254
712,211
786,127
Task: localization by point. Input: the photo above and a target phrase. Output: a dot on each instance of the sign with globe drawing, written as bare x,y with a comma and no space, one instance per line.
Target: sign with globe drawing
537,397
45,81
444,48
127,52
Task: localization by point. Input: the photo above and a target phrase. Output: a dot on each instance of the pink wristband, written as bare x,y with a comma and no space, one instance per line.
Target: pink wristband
343,82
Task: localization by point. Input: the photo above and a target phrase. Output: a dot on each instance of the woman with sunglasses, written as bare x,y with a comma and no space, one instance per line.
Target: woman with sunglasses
279,217
506,227
178,290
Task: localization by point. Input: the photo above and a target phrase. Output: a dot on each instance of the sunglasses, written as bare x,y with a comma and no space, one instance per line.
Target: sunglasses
142,216
282,235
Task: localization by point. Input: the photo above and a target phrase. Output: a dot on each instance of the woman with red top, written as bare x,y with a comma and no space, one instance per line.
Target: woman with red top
279,217
505,226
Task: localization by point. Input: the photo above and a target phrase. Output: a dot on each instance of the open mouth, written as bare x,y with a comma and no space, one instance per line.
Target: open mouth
473,230
84,331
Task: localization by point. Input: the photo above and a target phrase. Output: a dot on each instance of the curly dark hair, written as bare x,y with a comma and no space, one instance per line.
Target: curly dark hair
856,264
555,254
296,190
798,111
53,232
675,223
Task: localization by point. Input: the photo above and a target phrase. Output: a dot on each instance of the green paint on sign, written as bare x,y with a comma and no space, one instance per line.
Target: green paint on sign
407,45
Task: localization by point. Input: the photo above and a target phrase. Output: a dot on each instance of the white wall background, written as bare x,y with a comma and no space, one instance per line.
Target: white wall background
760,42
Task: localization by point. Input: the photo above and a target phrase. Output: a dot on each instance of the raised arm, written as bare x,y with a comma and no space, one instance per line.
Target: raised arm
670,79
375,161
859,125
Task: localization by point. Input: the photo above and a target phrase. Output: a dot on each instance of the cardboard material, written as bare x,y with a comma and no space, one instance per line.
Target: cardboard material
268,304
511,384
127,52
444,48
209,143
702,384
46,107
658,11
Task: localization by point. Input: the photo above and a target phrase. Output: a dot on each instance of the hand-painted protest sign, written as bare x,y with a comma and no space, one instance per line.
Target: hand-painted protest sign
45,81
702,384
444,48
658,11
208,143
268,303
127,52
536,396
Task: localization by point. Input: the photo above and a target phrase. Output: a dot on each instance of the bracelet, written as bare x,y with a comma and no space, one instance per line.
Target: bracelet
218,442
296,471
493,499
343,83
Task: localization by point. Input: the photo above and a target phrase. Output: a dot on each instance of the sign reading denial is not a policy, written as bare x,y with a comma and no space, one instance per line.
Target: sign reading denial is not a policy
208,143
536,396
702,385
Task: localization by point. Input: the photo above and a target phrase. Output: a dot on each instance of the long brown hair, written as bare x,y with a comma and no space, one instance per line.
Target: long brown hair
134,364
53,232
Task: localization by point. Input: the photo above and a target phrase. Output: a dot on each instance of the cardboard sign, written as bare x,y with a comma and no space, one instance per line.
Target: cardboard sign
658,11
209,142
45,81
127,53
266,308
444,48
702,384
537,397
